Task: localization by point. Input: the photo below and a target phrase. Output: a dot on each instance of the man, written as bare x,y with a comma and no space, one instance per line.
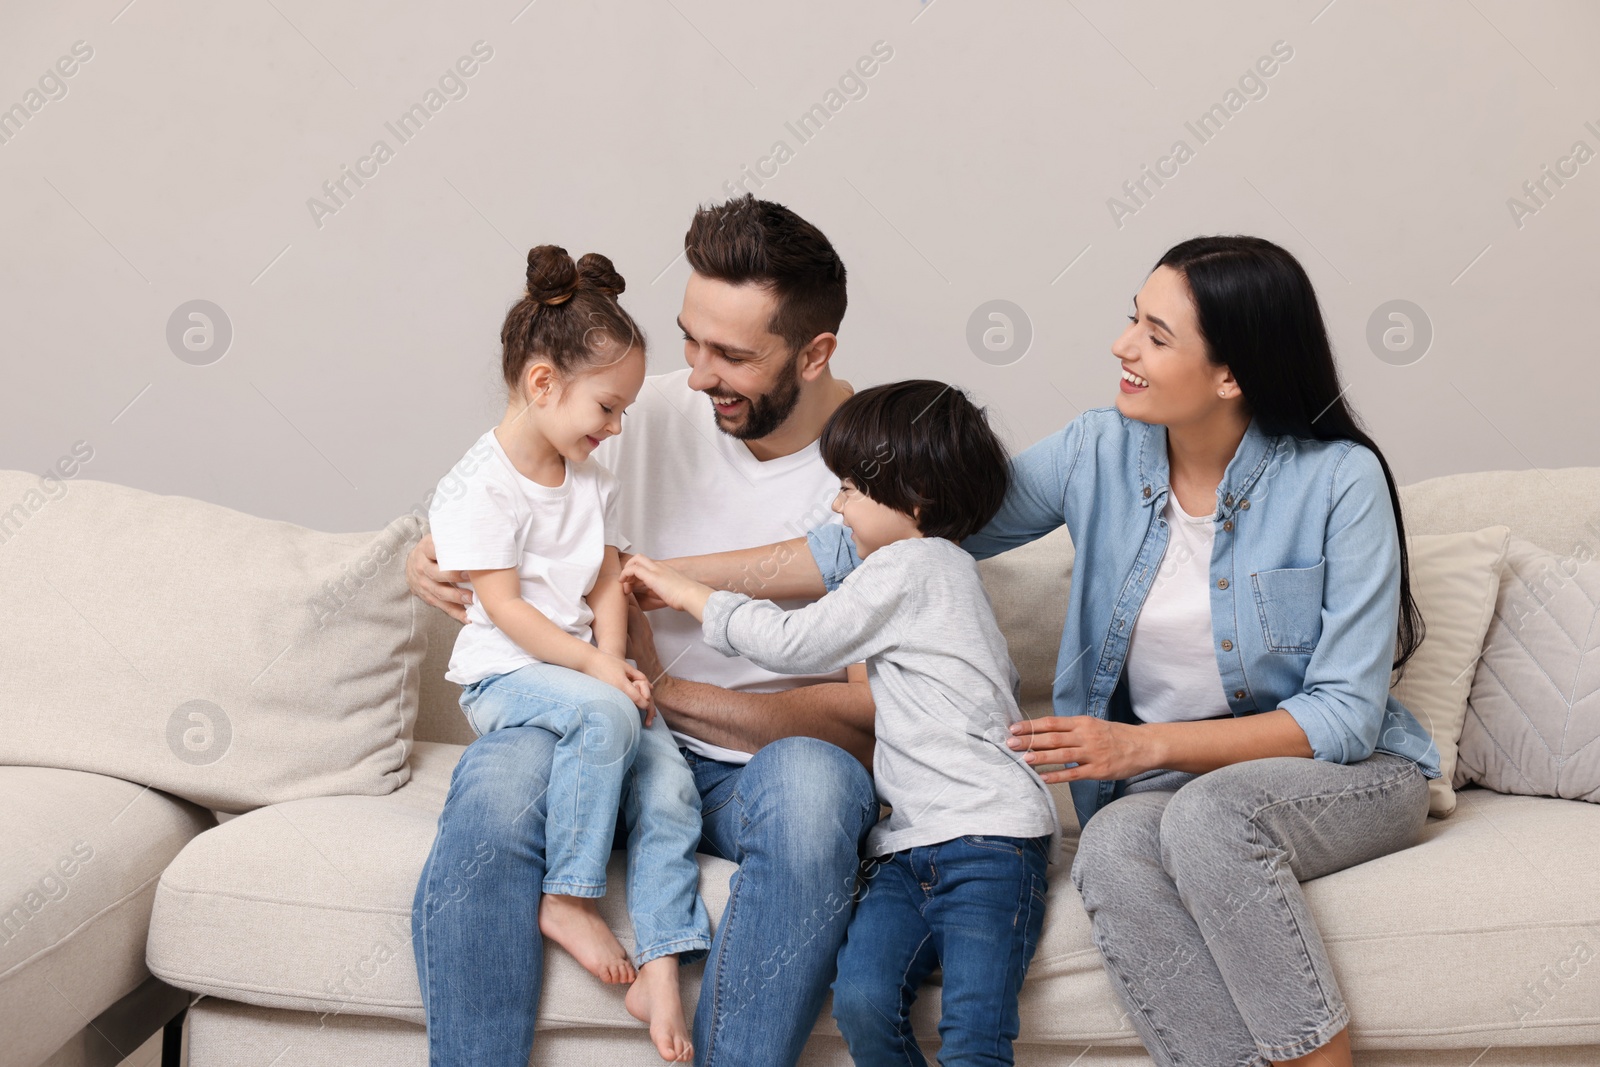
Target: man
722,455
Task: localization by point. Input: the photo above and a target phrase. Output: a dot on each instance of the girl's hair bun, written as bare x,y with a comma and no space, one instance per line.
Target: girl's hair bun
596,272
570,318
552,276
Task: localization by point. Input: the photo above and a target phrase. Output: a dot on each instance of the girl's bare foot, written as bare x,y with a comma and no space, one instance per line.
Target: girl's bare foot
654,999
574,923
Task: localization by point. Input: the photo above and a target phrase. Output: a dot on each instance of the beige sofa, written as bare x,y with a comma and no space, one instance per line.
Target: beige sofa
131,621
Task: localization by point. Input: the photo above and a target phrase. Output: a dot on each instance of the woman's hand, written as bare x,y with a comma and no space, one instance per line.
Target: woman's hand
432,585
632,681
1102,750
673,588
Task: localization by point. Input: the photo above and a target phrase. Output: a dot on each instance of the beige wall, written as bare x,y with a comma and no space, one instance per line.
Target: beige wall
976,163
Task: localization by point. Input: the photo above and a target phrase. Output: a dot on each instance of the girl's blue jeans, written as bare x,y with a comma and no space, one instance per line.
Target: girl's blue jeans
607,763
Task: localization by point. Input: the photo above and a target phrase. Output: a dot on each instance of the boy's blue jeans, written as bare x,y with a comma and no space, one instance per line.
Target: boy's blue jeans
974,907
605,762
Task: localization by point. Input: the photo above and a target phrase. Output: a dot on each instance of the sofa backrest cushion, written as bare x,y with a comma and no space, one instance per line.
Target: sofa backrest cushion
229,660
439,716
1554,509
1028,587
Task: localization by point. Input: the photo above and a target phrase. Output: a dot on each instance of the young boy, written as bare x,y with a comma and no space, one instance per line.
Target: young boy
957,878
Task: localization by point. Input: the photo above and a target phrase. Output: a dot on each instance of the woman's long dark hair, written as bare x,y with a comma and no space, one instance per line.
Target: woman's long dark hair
1259,316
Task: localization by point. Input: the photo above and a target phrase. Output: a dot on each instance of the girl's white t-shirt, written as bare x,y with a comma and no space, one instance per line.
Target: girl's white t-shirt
485,515
1172,669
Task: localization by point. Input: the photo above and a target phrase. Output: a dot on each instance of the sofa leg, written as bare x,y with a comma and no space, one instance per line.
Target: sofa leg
172,1041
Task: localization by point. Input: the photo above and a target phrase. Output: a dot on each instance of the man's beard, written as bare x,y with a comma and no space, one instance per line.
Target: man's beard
766,413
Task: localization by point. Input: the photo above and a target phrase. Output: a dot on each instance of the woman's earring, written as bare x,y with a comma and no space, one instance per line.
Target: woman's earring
1222,393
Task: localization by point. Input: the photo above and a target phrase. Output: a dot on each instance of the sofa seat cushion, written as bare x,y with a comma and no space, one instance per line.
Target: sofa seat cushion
224,1034
78,870
307,905
1480,934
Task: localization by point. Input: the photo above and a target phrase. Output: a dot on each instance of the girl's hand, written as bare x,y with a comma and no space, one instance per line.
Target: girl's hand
1102,750
673,588
615,671
641,686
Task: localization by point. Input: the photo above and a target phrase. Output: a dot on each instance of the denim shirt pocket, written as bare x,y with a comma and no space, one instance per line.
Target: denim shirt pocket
1289,603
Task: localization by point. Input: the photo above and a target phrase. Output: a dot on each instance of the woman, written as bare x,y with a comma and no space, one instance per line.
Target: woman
1222,688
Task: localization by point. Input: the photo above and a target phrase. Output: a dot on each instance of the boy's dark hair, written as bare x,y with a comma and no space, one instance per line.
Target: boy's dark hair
748,241
920,444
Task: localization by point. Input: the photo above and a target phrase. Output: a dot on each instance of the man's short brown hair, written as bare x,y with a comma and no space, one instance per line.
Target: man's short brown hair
746,241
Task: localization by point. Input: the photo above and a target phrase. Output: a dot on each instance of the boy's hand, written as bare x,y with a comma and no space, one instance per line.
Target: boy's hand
642,596
672,587
631,680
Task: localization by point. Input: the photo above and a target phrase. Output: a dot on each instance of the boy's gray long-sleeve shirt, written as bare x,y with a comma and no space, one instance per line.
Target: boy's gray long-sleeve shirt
941,676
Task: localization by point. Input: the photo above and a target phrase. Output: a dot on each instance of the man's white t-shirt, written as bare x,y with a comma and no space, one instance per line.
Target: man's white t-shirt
1172,668
686,489
486,515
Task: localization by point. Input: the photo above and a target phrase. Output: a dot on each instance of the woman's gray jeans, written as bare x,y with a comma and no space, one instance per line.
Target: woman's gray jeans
1192,884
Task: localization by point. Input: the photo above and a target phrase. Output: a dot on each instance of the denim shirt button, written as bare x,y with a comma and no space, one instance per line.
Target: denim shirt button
1147,492
1238,694
1222,583
1227,527
1244,505
1228,500
1227,646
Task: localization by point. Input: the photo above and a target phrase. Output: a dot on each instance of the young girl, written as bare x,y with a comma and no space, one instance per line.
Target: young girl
958,871
529,517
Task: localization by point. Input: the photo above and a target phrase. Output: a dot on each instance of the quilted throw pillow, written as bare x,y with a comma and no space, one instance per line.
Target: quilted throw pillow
1533,717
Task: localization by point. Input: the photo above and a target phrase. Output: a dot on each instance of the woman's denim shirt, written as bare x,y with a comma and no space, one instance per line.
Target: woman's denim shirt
1305,578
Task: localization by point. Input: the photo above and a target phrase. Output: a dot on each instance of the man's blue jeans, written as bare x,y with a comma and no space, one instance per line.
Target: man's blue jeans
548,743
794,818
972,906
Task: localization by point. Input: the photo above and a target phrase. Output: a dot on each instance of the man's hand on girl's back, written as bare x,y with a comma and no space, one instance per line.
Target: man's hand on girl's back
434,586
